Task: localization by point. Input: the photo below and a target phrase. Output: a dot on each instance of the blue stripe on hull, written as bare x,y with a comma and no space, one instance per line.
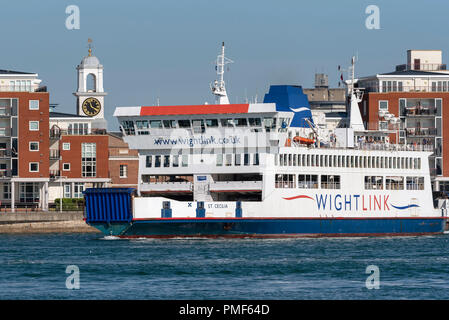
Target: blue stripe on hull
273,227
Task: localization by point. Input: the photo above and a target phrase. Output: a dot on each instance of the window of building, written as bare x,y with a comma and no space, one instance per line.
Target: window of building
383,125
6,191
66,146
330,182
66,166
34,166
383,105
394,183
374,183
123,171
78,189
34,146
148,161
67,190
29,192
33,104
34,125
308,181
285,181
88,159
78,128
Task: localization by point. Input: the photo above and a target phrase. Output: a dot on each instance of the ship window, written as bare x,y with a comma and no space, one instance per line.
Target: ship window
269,123
238,159
227,123
419,163
308,181
394,183
374,183
157,161
330,182
321,161
285,160
303,160
289,159
212,123
185,160
149,161
155,124
256,159
219,159
294,159
184,123
246,159
228,159
415,183
281,160
128,127
166,161
175,160
142,124
169,124
240,122
198,126
285,181
254,122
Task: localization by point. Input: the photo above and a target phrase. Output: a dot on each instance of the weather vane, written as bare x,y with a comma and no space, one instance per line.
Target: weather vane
89,45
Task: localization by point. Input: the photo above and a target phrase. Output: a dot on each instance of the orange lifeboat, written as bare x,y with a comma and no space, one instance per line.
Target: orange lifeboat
303,140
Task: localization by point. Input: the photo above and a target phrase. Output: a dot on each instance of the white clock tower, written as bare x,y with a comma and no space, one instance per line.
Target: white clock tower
90,94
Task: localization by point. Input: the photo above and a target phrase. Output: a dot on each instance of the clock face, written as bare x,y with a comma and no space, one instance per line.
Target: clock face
91,107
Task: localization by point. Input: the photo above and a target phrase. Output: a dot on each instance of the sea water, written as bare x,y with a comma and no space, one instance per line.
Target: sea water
42,267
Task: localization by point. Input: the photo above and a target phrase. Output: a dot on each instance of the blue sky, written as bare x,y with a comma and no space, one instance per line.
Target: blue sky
166,48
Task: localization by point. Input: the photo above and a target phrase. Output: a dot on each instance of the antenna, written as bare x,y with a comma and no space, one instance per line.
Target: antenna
218,87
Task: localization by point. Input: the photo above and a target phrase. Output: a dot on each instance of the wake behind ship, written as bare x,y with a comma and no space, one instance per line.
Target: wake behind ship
264,170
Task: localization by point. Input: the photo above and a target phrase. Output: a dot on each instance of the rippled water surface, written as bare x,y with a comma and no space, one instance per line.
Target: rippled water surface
34,267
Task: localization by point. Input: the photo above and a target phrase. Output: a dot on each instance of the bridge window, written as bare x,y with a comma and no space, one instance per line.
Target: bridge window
374,183
169,124
227,123
148,161
157,161
240,122
166,161
212,123
184,123
254,122
155,124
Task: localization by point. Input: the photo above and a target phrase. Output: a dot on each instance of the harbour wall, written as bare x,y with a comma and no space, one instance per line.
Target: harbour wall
43,222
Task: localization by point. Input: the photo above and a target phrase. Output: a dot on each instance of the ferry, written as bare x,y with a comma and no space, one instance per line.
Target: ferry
264,170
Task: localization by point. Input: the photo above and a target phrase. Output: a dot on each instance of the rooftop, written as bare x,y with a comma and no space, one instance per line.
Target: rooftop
66,115
14,72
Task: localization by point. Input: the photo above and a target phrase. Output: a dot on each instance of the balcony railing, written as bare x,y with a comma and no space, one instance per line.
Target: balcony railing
236,186
5,111
54,174
420,111
423,132
56,134
54,155
166,187
22,88
5,132
422,67
5,153
396,88
5,173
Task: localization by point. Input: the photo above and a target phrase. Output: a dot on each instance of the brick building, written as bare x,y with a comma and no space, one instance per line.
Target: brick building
418,94
123,162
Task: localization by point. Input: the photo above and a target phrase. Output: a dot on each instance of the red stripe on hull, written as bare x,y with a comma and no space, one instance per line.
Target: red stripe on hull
298,197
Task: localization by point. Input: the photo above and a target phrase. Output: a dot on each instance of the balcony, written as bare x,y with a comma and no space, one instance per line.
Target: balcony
56,134
55,155
54,174
5,111
419,111
5,173
5,153
237,186
161,187
420,132
23,88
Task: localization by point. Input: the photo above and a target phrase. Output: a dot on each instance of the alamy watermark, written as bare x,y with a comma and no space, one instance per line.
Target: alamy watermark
373,280
373,20
73,280
72,22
